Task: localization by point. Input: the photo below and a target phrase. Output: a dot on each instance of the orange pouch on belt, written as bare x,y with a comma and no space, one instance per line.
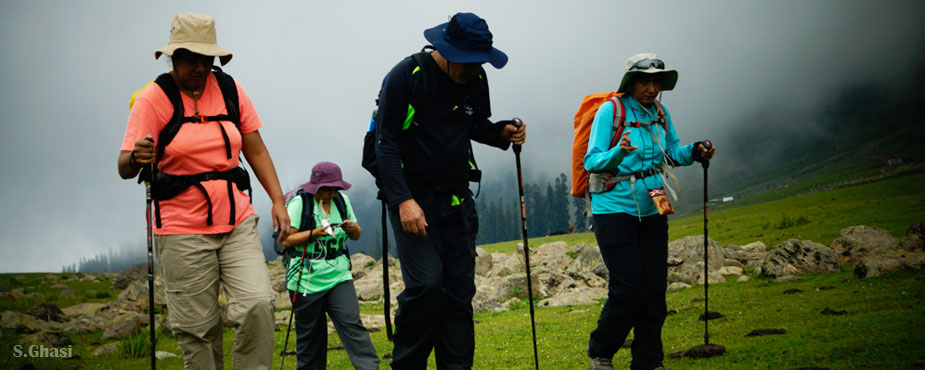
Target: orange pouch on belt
661,201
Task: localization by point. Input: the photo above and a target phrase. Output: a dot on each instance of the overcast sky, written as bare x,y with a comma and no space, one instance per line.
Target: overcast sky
313,69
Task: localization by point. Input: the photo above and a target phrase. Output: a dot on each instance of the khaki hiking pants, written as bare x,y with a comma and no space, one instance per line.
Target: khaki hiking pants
193,266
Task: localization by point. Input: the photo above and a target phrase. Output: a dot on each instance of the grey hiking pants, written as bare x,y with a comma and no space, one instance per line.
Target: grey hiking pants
340,303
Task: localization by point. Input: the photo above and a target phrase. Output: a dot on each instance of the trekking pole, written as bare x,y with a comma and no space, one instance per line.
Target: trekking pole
387,300
146,175
706,255
282,355
523,219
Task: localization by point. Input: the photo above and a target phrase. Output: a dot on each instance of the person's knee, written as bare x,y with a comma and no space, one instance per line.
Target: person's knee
247,310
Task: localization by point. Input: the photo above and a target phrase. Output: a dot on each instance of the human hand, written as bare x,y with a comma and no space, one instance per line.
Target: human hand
703,152
516,135
625,143
280,221
350,227
412,218
143,152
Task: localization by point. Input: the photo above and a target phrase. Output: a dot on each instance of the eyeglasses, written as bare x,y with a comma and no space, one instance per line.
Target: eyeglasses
649,63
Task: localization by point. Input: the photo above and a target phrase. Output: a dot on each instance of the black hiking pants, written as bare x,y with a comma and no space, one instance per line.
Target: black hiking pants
636,255
435,309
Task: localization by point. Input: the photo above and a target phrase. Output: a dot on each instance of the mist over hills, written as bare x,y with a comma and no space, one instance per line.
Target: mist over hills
862,125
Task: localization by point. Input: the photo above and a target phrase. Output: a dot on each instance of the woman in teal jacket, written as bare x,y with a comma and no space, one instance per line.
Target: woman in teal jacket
630,219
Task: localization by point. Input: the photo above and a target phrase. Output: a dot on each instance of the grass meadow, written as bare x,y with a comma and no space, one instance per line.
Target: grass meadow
881,325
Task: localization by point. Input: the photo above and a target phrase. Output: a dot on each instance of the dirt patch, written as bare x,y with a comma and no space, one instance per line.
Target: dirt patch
701,351
829,311
711,315
792,291
762,332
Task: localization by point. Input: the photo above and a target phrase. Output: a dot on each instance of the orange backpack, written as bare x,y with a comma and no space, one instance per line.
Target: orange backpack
583,121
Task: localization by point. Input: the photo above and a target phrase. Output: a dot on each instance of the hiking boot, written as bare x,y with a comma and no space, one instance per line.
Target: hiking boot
598,363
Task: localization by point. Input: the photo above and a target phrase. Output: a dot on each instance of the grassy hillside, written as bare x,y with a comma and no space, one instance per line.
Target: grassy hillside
799,211
882,324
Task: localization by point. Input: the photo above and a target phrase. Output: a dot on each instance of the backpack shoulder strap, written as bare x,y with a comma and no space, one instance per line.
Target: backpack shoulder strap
230,93
341,206
308,211
619,120
663,117
421,92
170,88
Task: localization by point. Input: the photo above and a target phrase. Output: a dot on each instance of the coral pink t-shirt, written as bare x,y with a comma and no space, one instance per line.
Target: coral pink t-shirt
197,148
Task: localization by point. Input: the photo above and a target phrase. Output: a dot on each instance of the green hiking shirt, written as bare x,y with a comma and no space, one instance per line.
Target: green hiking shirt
324,273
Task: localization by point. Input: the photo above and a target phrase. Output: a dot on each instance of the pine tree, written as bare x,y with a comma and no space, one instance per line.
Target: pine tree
581,218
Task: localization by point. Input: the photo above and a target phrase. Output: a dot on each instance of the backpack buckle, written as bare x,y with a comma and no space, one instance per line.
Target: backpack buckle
202,118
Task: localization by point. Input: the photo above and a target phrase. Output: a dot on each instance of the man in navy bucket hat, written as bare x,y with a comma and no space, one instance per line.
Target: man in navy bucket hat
424,158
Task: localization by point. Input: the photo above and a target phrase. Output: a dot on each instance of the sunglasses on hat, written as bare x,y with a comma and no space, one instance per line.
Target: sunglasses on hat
649,63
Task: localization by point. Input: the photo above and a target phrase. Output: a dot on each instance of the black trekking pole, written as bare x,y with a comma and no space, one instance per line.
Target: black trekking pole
523,219
706,255
147,176
387,300
282,355
706,349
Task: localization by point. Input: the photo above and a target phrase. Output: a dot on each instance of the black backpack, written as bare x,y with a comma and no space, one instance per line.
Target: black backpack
165,186
421,98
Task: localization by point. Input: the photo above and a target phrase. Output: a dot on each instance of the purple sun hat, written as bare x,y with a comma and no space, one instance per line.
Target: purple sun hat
465,39
325,174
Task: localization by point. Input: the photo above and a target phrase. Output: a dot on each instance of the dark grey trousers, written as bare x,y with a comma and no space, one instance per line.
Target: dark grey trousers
340,303
435,309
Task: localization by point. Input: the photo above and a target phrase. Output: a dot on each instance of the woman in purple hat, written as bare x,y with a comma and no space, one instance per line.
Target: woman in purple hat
318,277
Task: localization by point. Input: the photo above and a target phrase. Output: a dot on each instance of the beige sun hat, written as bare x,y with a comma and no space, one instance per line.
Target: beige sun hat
196,33
648,63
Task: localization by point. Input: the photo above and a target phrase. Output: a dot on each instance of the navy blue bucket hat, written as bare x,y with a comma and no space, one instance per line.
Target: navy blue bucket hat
465,39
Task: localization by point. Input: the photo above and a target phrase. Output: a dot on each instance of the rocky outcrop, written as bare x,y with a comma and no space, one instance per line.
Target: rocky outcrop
914,240
888,261
685,261
859,241
798,257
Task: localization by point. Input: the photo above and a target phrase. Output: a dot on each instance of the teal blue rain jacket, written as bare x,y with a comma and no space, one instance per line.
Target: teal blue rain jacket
648,155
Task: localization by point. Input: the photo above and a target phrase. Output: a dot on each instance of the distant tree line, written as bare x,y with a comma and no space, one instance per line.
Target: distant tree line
549,211
116,260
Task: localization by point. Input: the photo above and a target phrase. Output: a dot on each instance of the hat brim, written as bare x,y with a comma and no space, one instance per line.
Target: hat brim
311,188
669,78
453,54
224,56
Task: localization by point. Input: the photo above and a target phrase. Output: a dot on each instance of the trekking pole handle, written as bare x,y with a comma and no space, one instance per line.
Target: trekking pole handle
707,144
517,122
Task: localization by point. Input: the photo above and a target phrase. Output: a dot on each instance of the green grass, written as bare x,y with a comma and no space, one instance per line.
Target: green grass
891,204
882,328
35,283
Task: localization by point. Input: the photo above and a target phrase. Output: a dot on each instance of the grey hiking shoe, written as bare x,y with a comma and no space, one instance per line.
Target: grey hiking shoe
598,363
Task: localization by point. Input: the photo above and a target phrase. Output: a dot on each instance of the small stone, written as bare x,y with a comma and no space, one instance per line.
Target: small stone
786,279
743,279
106,349
163,355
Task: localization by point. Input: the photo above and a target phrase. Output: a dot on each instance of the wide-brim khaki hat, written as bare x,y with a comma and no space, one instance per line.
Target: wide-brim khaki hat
196,33
648,63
